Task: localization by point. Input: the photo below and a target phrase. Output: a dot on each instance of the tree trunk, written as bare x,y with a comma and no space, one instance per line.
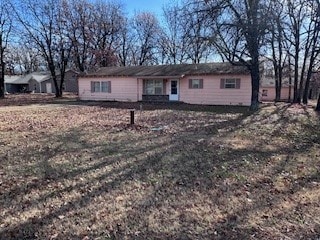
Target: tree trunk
2,70
318,104
58,90
55,82
290,93
62,75
290,82
296,80
280,80
277,85
307,86
255,79
52,69
2,88
278,91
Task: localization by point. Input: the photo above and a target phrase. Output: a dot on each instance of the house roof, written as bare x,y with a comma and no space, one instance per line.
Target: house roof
170,70
24,79
41,76
37,76
11,78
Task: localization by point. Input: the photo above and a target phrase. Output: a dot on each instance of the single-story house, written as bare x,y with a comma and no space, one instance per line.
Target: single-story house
209,83
36,82
11,87
31,82
40,82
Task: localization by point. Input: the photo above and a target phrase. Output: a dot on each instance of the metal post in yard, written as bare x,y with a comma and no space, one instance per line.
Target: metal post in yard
131,117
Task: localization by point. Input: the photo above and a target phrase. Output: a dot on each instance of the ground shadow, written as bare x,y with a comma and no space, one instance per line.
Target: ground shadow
179,172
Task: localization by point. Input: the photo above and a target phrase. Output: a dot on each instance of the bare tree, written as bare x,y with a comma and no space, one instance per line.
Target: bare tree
196,26
173,41
146,29
278,46
25,57
5,30
184,33
302,32
108,18
313,46
125,44
80,15
45,25
295,34
238,35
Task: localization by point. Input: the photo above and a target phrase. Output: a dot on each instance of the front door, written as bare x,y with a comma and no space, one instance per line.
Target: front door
174,90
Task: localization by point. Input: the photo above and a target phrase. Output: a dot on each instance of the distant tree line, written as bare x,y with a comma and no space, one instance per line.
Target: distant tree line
86,35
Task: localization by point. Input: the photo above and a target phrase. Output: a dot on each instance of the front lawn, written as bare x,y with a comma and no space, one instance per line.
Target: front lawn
80,171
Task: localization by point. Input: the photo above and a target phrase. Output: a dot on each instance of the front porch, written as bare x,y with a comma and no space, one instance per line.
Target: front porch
160,90
155,98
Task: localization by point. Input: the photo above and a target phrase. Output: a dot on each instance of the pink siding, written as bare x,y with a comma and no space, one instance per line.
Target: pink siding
122,89
131,89
272,93
139,89
212,94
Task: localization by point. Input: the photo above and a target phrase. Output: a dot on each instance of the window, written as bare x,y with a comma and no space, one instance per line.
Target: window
95,86
104,86
264,93
195,83
153,87
230,83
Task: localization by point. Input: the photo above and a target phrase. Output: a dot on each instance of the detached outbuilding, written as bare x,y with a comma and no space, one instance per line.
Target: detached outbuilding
210,83
40,82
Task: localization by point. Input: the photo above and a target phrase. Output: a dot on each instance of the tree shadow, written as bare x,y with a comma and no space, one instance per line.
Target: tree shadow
175,170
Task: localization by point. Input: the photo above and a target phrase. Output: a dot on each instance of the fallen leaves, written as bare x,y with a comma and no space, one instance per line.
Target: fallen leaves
83,172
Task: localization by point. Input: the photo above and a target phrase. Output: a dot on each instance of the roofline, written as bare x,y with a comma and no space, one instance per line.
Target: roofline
154,77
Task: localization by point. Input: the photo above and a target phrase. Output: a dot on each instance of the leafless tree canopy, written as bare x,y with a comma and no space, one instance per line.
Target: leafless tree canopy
86,35
5,30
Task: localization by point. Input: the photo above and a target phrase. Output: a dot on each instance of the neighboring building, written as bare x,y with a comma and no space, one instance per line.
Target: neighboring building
267,84
40,82
314,89
70,83
268,90
212,83
10,87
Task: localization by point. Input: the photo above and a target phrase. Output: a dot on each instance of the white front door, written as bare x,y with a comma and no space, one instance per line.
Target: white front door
174,90
49,87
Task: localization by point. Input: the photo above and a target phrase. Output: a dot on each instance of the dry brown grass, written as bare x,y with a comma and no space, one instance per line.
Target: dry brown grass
78,171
